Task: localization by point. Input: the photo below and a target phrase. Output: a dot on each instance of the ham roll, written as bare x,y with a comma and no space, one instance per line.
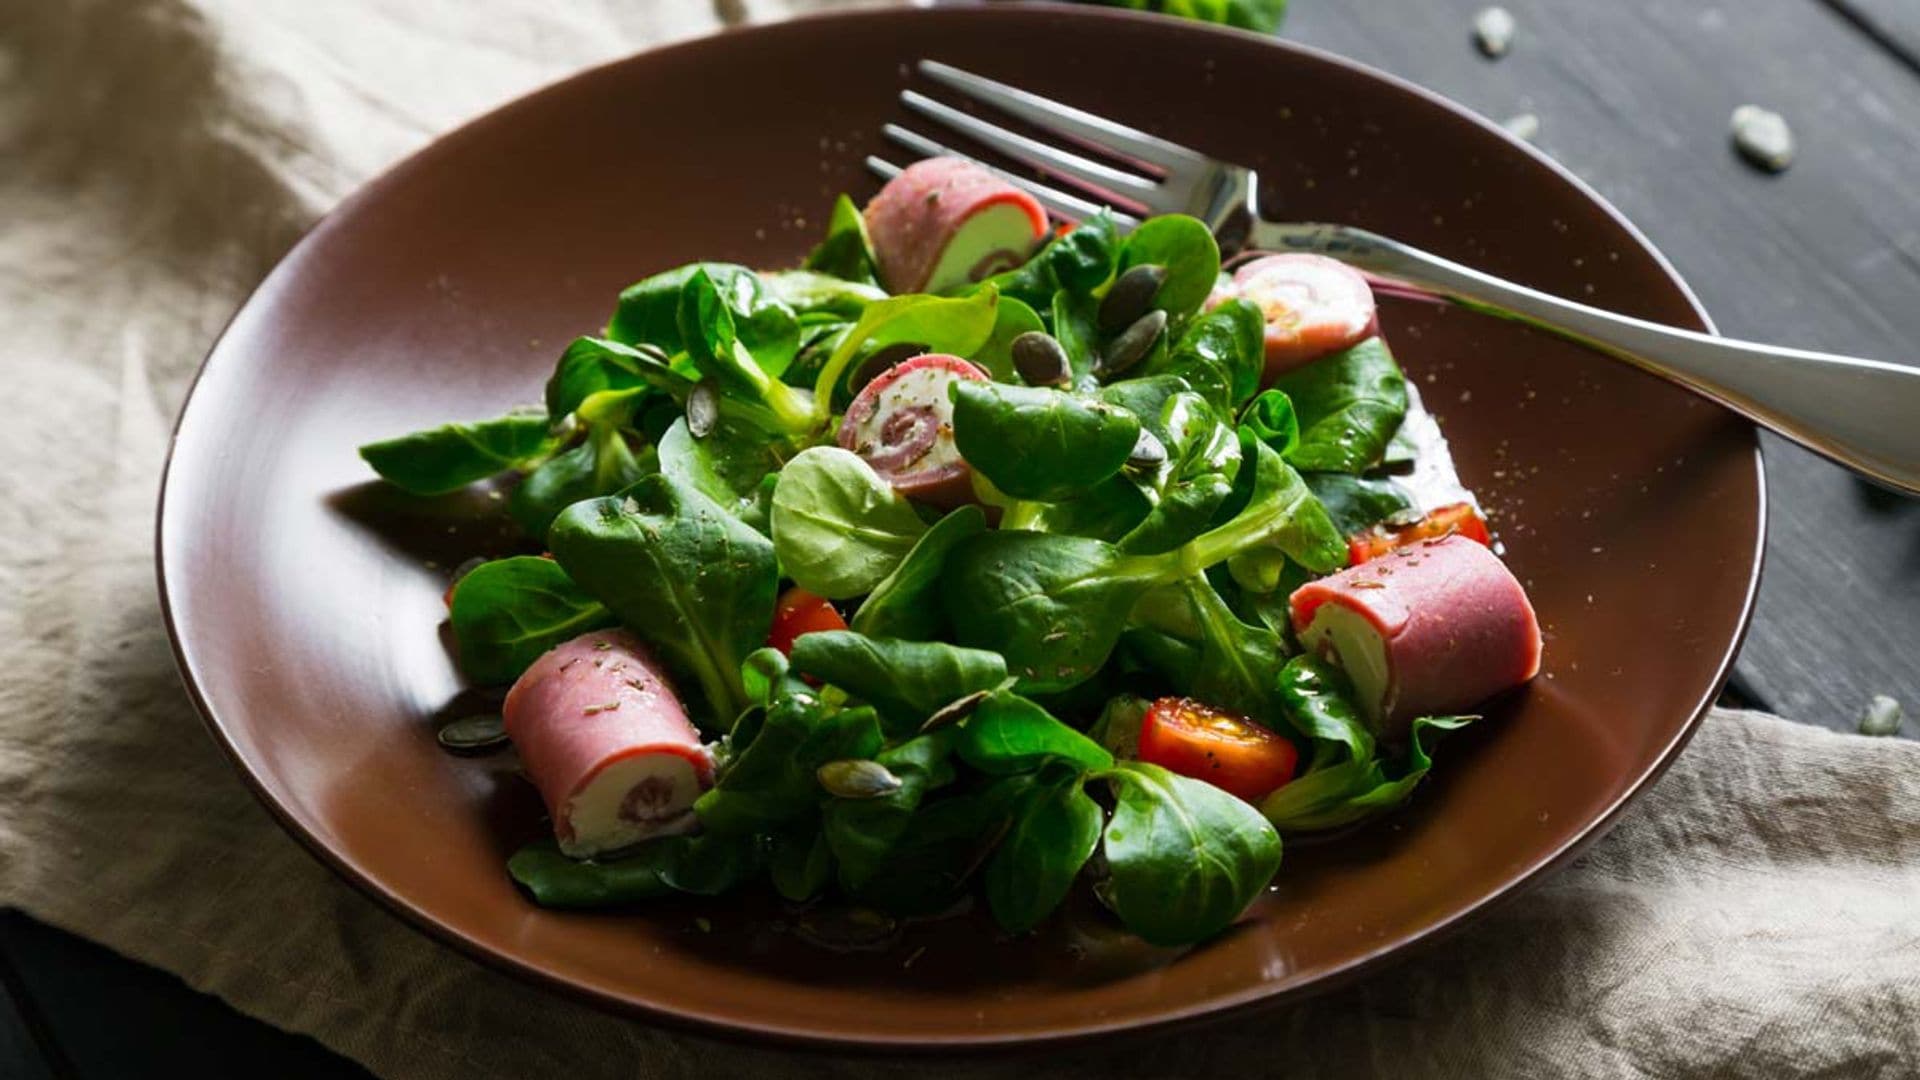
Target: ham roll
1426,630
901,423
1313,306
944,222
602,735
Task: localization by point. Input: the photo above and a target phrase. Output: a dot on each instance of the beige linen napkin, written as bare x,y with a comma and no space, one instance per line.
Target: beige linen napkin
1755,915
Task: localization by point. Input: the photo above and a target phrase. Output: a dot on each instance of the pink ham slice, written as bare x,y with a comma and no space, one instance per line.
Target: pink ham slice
1426,630
1313,306
919,212
603,736
901,423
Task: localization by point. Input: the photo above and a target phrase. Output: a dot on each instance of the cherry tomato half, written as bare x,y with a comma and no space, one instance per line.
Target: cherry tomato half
1455,518
801,612
1226,750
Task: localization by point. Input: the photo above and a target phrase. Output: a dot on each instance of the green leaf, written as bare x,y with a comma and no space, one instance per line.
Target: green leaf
906,603
1037,443
1186,248
814,296
591,365
908,681
1054,606
801,863
1053,835
1271,419
1349,405
845,253
601,465
731,465
557,881
945,842
507,612
1184,858
448,458
1225,662
839,528
649,313
1220,353
1076,328
711,863
1357,503
1203,457
1289,521
692,580
771,782
1009,734
1078,261
957,326
863,832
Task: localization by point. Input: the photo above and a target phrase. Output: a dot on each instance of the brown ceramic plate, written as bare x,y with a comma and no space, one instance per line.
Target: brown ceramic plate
305,600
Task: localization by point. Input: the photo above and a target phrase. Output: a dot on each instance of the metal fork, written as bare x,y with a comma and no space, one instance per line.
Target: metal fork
1863,414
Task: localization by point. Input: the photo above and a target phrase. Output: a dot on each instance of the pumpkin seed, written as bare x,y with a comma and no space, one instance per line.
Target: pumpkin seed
856,778
954,711
1130,296
882,359
1041,360
1134,343
703,409
1148,452
1882,717
1523,127
1493,31
1762,137
849,929
475,734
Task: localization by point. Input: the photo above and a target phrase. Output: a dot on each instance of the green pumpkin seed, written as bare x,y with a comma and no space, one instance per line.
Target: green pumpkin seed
856,778
475,734
1134,343
1131,295
954,711
1041,360
703,409
1882,717
1763,137
1148,452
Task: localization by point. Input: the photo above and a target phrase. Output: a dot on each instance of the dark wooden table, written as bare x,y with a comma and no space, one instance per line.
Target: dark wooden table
1632,95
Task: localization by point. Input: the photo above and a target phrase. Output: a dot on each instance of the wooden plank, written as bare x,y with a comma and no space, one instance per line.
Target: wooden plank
1635,97
109,1017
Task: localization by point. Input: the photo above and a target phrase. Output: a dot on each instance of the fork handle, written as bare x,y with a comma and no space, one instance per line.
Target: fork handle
1863,414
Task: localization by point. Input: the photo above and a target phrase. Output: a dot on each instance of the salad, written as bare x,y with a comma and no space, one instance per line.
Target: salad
973,559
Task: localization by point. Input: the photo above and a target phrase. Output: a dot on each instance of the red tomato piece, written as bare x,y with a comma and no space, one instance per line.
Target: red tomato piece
800,612
1226,750
1460,518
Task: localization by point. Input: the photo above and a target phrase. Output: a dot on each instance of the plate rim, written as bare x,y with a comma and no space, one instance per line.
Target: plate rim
1215,1010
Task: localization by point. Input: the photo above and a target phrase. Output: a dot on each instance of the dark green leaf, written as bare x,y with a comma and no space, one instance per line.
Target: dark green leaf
680,571
601,465
557,881
449,457
591,365
1078,261
1220,353
649,313
1037,443
1271,419
845,252
862,832
906,680
1357,503
943,845
1349,405
801,863
771,782
731,465
507,612
1008,734
906,603
1054,833
1185,858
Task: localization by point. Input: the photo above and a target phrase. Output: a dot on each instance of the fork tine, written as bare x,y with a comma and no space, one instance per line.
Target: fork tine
1077,170
1061,203
1097,131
